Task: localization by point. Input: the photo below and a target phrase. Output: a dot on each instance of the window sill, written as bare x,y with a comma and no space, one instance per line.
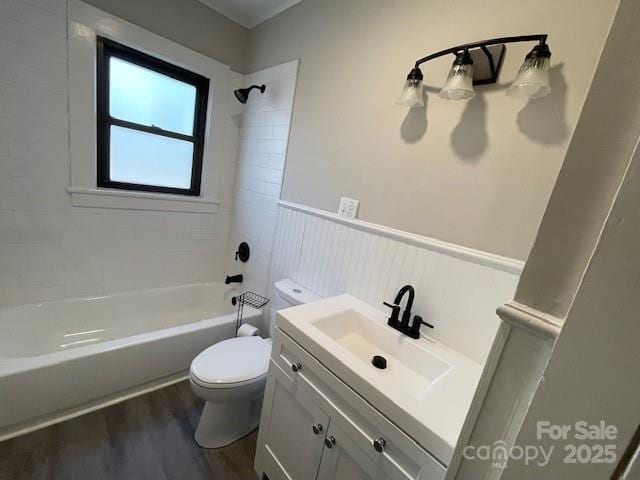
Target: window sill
129,200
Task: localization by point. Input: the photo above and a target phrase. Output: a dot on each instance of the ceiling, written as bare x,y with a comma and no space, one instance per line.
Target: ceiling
250,13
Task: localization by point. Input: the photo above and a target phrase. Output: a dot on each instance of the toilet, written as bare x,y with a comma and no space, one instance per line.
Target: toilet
230,377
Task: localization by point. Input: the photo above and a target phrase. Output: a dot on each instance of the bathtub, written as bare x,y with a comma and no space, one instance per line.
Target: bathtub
64,358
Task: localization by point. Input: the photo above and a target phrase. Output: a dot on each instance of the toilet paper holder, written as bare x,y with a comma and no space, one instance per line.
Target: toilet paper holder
251,299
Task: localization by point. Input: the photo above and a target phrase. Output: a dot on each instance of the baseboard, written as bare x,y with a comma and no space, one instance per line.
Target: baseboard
103,402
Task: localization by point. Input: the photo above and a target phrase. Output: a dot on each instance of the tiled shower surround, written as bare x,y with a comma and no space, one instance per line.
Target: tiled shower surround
50,249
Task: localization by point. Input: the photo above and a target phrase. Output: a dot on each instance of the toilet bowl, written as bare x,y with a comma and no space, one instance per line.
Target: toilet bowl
230,376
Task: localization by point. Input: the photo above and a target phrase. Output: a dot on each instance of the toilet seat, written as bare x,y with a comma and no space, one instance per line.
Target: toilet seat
232,363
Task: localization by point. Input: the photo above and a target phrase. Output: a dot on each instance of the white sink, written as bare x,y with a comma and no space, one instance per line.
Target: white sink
409,363
426,389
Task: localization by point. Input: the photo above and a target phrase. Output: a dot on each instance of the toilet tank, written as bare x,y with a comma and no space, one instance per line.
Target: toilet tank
288,293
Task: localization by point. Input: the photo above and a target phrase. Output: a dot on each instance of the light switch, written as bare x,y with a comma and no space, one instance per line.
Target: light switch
348,207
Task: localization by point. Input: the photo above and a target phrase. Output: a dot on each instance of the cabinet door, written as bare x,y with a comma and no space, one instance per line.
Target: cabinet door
289,447
344,458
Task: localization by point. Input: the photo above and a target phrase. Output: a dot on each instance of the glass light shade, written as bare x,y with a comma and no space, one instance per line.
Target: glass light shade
459,85
532,80
411,95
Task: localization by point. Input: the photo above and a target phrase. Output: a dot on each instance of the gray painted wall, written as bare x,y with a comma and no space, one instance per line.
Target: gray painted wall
476,173
591,173
584,266
187,22
593,372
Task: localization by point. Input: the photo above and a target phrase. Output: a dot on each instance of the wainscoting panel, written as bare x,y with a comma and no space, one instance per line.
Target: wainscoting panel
457,289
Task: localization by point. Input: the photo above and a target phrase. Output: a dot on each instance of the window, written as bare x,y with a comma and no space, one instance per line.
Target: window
151,122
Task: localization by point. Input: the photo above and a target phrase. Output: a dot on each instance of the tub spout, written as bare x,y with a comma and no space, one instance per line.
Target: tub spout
233,279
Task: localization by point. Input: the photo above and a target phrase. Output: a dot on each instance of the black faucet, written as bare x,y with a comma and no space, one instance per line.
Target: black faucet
406,315
403,326
233,279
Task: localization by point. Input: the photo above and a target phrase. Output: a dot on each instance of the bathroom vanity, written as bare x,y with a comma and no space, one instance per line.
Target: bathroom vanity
329,413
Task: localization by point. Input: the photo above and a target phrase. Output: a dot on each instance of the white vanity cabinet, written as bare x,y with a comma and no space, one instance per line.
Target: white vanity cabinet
314,426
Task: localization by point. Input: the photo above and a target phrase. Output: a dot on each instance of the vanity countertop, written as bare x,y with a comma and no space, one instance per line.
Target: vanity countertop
426,389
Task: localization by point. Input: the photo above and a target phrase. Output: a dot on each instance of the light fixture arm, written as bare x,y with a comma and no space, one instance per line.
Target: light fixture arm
540,37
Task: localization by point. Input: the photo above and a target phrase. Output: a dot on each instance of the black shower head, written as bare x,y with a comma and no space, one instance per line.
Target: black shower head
242,94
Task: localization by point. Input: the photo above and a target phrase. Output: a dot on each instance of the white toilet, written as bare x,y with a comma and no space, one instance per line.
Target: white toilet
231,375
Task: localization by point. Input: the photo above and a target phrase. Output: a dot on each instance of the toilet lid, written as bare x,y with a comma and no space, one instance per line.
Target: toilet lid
232,361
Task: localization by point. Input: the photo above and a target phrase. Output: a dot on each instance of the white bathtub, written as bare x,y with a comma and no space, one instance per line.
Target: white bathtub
64,358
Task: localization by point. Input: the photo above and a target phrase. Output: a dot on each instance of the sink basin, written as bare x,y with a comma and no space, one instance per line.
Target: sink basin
412,366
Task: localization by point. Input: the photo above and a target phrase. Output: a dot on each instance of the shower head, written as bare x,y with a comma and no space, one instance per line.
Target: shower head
242,94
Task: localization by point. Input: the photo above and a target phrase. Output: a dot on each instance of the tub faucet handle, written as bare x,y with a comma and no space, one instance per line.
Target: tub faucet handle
243,253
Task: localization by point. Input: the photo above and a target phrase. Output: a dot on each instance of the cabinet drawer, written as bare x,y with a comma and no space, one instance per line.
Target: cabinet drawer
401,456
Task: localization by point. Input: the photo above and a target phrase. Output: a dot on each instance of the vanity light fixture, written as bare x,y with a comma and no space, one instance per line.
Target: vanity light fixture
479,63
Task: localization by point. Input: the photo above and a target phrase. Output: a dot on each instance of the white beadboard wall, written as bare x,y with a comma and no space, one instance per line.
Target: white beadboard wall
264,132
457,289
48,248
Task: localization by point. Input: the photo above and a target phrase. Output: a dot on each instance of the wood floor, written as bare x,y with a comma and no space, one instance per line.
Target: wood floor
148,437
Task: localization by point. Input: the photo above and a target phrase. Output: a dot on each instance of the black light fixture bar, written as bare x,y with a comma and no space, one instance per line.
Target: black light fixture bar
479,63
540,37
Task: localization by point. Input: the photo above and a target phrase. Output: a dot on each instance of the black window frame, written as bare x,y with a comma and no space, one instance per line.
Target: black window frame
106,49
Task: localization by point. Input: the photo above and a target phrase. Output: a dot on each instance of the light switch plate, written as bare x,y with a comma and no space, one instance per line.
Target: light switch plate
348,207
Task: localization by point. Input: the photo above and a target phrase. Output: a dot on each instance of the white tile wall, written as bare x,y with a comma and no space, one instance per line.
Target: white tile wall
260,164
49,249
457,289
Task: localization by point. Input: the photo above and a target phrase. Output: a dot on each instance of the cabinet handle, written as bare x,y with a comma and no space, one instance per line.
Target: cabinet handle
317,428
296,367
330,441
379,444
